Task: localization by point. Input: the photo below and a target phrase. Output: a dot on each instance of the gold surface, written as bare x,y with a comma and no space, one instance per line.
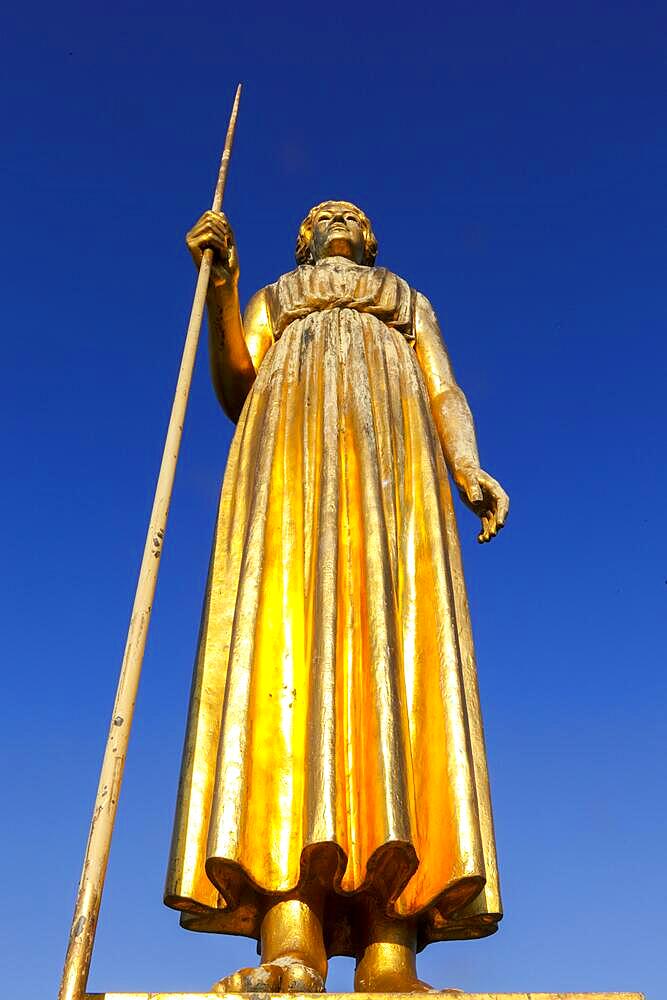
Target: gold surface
334,752
373,996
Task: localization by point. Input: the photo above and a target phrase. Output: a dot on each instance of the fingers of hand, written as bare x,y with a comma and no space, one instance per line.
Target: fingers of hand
490,526
211,231
502,508
215,220
473,489
496,498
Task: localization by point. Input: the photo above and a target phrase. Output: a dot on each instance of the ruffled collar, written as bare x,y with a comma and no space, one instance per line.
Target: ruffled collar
337,261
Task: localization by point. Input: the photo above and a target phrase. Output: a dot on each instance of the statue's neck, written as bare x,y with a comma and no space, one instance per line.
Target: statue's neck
336,259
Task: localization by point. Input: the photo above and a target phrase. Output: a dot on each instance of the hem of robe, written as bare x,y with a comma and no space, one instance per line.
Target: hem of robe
243,902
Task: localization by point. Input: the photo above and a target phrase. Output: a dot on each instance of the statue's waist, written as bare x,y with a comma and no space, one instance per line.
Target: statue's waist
331,312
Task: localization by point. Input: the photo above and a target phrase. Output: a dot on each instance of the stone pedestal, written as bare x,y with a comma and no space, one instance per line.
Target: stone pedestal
368,996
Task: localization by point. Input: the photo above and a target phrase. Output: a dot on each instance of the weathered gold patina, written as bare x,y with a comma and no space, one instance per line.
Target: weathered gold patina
334,795
447,995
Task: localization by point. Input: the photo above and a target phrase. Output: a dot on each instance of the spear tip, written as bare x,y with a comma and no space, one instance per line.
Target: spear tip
227,152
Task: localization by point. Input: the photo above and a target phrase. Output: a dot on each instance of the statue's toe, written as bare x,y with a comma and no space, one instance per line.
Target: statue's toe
259,979
392,980
300,978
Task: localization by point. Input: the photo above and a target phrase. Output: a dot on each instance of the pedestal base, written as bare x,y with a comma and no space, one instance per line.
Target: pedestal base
367,996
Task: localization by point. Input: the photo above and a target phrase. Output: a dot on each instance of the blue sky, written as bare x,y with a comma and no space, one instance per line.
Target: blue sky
513,160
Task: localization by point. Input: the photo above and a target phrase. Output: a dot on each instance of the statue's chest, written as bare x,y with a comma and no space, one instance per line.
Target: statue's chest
312,289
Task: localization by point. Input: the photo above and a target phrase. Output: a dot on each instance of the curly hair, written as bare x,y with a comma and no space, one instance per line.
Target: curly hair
305,234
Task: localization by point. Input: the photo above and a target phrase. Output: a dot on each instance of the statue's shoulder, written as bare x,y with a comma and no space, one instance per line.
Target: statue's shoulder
258,309
300,271
305,271
385,275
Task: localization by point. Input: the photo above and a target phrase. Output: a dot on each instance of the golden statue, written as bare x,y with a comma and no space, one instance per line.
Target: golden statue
334,795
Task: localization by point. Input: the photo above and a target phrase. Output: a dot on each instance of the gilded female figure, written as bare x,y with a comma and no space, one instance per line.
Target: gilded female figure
334,795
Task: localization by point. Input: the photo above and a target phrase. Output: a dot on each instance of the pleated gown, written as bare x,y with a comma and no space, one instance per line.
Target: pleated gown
334,730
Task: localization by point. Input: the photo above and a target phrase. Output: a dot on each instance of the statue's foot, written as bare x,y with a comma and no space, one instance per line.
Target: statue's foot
390,981
396,981
284,975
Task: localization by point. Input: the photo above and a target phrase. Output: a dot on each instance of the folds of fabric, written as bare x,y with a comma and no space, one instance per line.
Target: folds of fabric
334,728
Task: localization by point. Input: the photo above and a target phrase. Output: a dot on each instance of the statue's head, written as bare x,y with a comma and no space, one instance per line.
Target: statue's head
336,229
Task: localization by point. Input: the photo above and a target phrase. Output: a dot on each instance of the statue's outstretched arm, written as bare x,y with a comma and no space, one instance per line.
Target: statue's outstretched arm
234,352
454,423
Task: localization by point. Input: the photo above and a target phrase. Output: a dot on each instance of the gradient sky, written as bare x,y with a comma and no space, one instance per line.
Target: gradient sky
513,159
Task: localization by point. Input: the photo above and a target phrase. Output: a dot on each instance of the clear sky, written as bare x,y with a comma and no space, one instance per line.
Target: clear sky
513,160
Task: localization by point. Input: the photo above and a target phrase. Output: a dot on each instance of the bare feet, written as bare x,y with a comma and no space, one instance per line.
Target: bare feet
390,967
398,983
283,975
388,981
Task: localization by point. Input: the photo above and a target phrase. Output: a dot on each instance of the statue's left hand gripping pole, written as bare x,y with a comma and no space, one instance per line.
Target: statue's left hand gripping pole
89,895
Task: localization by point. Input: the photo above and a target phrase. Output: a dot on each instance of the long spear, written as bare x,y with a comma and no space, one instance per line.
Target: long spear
89,895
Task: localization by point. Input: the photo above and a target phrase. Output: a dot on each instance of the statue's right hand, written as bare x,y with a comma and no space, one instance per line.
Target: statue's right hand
213,232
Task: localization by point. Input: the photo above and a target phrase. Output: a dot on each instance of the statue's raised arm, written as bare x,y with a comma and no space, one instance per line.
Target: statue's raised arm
236,346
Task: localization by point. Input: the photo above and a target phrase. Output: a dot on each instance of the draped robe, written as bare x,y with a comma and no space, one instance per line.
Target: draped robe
334,731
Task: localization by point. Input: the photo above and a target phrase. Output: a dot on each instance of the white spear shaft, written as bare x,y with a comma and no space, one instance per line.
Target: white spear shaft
89,895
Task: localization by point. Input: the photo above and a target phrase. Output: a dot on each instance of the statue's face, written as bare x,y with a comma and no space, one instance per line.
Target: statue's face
337,232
